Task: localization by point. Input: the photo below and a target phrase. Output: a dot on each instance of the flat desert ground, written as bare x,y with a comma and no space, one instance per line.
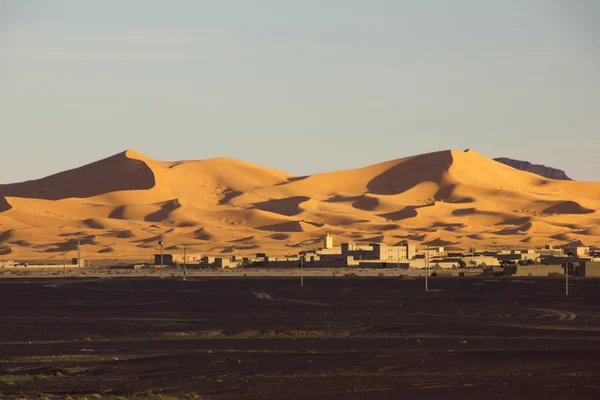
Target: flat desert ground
118,207
333,338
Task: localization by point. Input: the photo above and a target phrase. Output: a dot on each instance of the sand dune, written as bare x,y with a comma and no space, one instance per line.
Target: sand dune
122,204
90,180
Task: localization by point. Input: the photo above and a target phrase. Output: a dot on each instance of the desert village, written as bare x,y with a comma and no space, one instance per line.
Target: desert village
433,261
548,261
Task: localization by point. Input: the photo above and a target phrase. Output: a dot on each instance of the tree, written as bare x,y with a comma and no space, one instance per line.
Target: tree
462,263
530,261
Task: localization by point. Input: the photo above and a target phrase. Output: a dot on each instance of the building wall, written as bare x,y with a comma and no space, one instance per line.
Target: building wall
382,264
591,269
335,250
355,248
328,242
7,264
384,252
538,270
226,263
172,259
478,260
578,251
431,252
39,266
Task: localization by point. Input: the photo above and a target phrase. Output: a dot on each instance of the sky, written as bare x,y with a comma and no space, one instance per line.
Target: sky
301,86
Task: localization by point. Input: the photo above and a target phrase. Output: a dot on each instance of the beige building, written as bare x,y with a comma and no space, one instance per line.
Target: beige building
172,259
348,248
379,251
430,252
534,270
550,251
473,261
390,253
588,268
328,242
577,251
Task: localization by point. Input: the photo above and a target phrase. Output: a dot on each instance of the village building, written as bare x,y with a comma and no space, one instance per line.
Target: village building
172,259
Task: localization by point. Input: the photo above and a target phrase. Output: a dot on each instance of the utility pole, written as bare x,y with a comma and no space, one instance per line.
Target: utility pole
427,269
79,253
398,259
161,255
184,263
302,270
570,254
65,264
567,279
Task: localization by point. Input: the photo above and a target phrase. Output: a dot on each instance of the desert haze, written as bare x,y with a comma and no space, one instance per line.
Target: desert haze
119,206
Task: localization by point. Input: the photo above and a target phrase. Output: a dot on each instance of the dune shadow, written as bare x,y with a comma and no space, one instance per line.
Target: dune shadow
386,227
412,172
465,211
567,207
111,174
6,235
242,240
124,234
289,206
4,204
446,194
291,226
165,209
448,226
439,242
246,247
561,236
405,213
202,234
71,244
117,213
229,195
153,239
362,202
279,236
374,239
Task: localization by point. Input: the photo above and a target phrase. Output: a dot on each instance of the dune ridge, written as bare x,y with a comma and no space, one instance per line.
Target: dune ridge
122,204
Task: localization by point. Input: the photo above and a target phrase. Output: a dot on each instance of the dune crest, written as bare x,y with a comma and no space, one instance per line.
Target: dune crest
122,204
123,171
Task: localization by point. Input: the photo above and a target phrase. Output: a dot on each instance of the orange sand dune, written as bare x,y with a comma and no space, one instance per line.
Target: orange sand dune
121,205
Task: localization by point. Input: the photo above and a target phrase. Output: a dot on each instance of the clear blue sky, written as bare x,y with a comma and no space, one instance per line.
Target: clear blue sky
302,86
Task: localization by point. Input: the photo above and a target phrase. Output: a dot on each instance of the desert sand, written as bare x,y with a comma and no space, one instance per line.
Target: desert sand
119,207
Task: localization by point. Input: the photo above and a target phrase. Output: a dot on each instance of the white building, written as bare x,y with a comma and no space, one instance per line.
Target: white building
328,242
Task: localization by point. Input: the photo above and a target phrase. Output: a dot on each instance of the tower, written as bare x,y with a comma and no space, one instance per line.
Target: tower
328,242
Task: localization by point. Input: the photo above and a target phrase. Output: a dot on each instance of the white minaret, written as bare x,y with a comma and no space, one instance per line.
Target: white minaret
328,242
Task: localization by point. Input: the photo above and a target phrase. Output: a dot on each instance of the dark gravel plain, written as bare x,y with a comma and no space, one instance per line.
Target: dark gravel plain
334,338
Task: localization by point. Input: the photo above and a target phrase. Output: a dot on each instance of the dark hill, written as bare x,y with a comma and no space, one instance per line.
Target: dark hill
542,170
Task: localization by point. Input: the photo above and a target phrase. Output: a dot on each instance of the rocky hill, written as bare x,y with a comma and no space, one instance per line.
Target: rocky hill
542,170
